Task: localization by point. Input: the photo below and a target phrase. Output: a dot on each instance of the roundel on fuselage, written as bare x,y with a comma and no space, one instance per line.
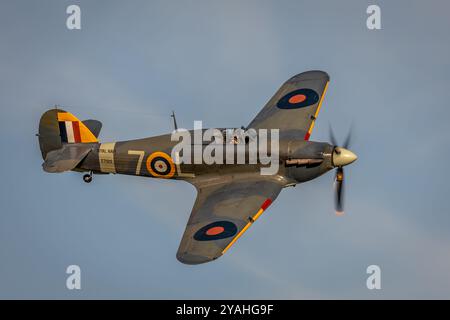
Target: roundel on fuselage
160,165
298,99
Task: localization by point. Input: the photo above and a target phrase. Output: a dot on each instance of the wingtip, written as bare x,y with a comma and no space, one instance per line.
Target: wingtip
192,259
311,75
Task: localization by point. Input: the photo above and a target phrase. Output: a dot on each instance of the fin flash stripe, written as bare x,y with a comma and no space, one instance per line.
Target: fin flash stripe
70,131
73,130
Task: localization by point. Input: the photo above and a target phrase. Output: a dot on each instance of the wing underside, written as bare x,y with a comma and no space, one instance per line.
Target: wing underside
222,212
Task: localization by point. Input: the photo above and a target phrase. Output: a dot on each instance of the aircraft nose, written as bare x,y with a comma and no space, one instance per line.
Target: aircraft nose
343,157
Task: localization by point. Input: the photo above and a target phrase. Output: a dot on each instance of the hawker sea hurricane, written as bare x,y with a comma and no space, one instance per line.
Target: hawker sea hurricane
231,197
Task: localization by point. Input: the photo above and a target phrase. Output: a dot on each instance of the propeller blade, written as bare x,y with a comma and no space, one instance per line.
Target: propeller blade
339,191
332,137
349,137
339,179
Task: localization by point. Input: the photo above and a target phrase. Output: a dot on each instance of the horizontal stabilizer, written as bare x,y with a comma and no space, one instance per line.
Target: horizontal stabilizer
66,158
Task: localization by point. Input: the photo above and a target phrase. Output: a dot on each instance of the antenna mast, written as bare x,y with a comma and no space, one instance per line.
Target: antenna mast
174,120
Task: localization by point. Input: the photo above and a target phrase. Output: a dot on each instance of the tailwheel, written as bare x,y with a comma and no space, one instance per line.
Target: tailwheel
87,177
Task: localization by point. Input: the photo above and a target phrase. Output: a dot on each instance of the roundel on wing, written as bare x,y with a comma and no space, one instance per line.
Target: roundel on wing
215,231
298,99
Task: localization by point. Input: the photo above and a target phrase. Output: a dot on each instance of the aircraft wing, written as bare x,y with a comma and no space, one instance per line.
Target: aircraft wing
225,208
295,106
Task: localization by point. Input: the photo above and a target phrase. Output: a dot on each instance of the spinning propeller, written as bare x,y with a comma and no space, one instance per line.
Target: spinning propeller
340,158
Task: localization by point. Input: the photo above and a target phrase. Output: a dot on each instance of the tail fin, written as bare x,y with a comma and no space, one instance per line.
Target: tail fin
58,127
94,125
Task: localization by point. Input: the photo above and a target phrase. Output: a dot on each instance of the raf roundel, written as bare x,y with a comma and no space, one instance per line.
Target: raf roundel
298,99
160,165
215,231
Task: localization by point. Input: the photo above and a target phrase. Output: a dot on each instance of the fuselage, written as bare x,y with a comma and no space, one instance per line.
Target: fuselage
153,157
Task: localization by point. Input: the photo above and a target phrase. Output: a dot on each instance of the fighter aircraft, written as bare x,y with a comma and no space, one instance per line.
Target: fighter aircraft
231,197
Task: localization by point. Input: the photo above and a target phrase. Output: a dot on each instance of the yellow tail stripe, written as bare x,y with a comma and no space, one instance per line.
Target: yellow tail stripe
66,116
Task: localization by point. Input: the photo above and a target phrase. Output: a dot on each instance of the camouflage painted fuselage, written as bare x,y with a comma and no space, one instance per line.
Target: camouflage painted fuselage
134,157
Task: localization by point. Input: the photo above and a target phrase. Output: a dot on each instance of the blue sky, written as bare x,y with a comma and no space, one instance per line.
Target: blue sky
219,62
